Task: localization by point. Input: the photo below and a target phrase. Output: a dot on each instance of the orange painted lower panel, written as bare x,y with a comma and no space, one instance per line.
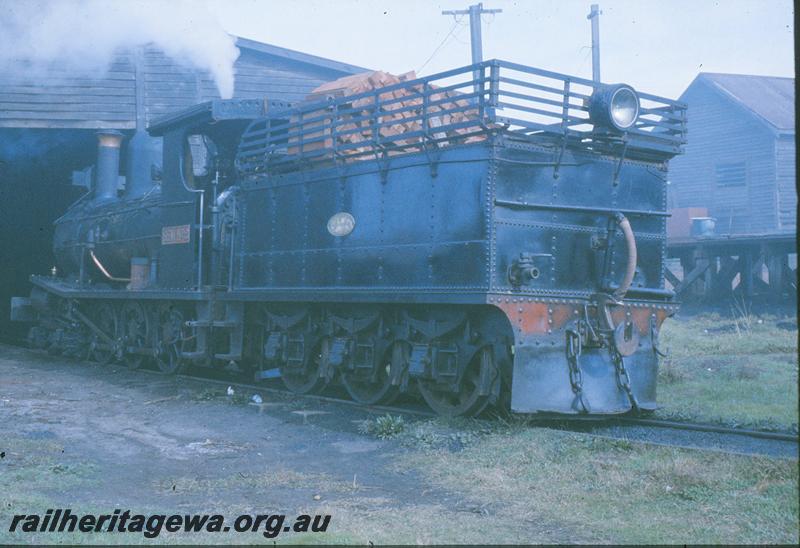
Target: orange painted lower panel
530,317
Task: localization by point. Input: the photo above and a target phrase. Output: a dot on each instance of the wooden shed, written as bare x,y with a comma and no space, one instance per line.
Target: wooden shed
48,124
145,82
738,170
739,162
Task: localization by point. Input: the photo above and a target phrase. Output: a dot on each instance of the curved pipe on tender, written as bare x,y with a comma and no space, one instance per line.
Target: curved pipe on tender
630,241
102,269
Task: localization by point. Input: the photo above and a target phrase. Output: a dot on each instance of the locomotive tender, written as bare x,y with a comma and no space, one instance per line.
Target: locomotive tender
512,255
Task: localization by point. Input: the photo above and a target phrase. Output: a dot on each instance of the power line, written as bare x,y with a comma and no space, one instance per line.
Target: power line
475,11
456,24
457,34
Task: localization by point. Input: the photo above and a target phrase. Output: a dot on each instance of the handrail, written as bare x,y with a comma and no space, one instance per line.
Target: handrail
103,270
454,107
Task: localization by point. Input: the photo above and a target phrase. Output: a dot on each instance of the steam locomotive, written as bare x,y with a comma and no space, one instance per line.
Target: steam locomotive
490,235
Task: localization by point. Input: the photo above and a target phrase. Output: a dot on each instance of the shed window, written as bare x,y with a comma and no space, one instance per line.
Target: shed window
731,174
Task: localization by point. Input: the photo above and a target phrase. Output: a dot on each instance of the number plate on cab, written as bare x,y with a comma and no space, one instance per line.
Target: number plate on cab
175,234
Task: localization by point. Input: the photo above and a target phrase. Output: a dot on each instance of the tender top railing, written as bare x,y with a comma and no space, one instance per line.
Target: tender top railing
460,106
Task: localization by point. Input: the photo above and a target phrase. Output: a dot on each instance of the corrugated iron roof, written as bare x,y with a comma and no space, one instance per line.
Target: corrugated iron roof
771,98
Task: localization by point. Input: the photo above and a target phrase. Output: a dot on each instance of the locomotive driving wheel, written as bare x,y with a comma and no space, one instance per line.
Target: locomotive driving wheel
107,321
169,339
377,388
135,331
468,400
307,378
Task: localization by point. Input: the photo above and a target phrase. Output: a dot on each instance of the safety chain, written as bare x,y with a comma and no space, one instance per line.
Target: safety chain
574,347
654,337
623,379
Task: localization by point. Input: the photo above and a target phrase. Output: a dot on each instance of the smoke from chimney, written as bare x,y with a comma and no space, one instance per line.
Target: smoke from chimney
83,36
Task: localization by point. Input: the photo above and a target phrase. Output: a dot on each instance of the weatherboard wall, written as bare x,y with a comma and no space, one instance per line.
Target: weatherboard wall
787,182
63,98
58,98
722,132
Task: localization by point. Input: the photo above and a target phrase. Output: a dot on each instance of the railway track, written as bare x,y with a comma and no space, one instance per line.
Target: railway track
703,427
688,435
408,411
685,435
680,434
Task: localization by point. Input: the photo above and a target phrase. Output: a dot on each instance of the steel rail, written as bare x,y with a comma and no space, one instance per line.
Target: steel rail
705,427
577,420
599,421
558,422
286,392
571,422
564,422
681,446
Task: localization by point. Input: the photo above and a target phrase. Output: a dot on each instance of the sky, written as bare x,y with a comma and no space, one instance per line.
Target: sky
657,46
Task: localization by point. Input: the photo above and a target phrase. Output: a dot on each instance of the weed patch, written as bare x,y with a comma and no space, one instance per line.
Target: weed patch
383,427
738,370
620,491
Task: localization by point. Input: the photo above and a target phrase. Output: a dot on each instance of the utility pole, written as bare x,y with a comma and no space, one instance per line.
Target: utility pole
475,11
594,17
476,43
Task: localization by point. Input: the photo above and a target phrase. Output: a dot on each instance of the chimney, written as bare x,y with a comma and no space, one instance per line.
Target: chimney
107,170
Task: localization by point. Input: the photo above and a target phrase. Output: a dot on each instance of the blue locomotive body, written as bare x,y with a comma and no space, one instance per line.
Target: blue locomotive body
452,237
492,234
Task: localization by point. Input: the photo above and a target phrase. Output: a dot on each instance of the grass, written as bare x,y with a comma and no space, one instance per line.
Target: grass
361,513
262,481
737,370
498,482
383,427
619,492
36,475
35,466
473,482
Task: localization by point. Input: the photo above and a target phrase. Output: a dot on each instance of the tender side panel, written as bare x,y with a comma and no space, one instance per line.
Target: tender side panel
413,231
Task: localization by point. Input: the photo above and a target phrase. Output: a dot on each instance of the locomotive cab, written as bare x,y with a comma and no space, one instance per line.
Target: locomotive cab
199,149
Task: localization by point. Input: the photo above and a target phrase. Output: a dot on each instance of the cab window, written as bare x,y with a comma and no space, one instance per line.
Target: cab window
199,152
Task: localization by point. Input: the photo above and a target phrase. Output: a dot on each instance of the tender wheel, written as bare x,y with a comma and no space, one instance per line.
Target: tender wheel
467,401
169,339
378,389
105,318
135,330
307,379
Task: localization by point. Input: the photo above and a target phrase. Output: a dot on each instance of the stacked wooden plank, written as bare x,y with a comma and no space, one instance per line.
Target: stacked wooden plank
397,113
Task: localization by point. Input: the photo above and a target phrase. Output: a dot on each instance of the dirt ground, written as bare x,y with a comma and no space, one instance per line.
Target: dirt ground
97,438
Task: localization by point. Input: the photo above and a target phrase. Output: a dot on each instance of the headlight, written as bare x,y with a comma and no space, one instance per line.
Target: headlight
614,106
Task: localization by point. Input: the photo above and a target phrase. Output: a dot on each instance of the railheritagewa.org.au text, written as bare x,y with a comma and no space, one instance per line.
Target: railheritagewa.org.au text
62,520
